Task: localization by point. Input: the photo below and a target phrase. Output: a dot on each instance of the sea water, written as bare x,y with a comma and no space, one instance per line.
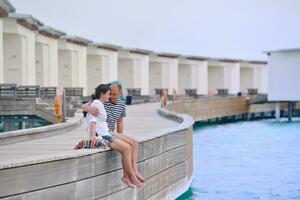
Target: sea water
246,160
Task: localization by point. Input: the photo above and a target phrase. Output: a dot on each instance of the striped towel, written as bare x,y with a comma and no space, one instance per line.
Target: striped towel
93,144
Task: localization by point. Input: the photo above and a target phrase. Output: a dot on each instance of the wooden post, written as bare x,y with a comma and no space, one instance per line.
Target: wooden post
290,110
277,111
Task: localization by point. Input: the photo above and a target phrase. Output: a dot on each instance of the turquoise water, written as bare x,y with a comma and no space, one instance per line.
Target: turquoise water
17,122
246,160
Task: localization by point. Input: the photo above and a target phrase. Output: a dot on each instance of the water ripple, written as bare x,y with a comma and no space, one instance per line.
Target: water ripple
246,160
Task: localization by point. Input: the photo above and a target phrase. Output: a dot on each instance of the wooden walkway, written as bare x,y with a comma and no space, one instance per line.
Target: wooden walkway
141,122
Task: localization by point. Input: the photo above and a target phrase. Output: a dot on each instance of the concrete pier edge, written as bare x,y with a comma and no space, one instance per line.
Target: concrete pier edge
165,160
39,132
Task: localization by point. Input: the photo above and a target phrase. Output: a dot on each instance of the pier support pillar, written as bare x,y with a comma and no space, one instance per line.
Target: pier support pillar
277,111
290,110
9,126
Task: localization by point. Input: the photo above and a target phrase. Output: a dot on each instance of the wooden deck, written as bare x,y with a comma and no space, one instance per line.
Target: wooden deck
142,121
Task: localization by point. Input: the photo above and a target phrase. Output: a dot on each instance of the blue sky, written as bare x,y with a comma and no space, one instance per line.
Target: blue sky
216,28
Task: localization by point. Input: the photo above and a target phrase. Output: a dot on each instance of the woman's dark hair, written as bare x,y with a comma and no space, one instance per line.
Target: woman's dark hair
101,89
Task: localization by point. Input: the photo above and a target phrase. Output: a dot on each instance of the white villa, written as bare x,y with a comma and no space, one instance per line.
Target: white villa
34,54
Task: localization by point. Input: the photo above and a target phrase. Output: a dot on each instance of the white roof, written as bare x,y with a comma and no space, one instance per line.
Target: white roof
105,45
51,30
7,6
76,39
283,50
30,19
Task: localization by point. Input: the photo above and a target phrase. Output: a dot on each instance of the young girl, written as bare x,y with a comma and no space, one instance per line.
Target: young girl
99,125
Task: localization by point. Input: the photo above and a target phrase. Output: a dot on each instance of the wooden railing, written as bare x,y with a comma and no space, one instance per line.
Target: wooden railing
74,92
134,91
159,91
222,91
12,91
8,91
191,92
29,92
252,91
212,108
48,92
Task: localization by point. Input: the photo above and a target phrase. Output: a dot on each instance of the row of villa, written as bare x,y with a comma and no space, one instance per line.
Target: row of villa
34,54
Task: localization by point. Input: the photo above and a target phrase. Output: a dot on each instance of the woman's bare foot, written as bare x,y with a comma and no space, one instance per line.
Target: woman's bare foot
127,181
139,177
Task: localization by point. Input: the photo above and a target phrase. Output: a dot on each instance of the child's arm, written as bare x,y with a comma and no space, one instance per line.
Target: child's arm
92,131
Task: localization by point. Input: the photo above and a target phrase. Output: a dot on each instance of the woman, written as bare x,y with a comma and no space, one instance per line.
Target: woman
99,125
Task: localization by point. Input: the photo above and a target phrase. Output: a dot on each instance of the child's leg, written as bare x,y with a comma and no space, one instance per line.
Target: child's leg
125,149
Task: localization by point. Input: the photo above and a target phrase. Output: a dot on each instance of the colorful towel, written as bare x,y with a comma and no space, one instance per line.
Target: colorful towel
93,144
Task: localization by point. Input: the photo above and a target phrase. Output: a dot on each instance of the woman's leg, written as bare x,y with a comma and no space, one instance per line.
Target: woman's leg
125,150
134,150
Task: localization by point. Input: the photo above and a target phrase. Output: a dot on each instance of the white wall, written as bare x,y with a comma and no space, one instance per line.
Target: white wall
102,67
283,75
40,69
1,53
260,77
200,75
19,53
126,73
64,69
143,75
156,76
94,72
46,60
76,59
224,75
184,78
193,75
215,78
165,73
265,79
133,71
13,68
247,79
232,77
28,55
173,75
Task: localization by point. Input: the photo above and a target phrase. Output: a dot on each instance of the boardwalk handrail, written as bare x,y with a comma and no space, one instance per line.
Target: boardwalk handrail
252,91
30,91
222,91
48,92
134,91
8,91
191,92
159,91
74,91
